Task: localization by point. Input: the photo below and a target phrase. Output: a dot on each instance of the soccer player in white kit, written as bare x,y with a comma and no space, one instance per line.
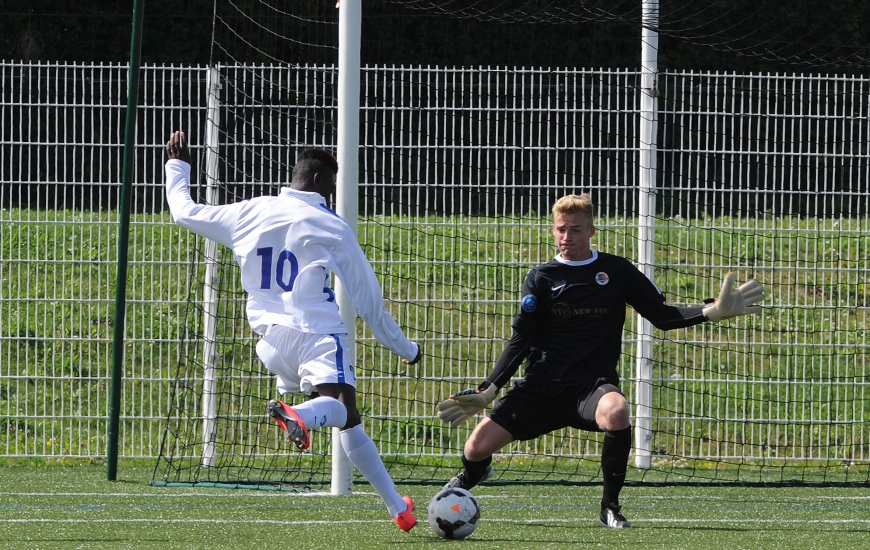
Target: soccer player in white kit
287,246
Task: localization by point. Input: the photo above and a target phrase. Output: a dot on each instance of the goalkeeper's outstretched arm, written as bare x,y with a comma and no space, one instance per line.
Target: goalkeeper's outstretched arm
461,406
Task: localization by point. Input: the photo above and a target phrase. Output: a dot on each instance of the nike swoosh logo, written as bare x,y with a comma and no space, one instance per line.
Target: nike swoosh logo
557,288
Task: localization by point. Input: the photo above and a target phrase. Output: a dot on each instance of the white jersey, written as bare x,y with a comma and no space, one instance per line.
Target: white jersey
287,246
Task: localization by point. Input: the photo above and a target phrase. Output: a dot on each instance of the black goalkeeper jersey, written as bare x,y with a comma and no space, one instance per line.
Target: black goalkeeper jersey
571,319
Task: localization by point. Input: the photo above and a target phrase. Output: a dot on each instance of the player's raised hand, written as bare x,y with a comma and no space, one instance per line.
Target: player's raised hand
735,301
461,406
176,147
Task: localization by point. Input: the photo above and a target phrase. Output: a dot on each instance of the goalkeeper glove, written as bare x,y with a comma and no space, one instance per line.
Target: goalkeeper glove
735,301
461,406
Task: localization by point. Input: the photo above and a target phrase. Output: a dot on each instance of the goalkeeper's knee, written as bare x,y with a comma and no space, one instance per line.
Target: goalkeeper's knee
613,412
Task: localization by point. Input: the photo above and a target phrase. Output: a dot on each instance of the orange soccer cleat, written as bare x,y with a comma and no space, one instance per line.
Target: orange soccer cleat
287,418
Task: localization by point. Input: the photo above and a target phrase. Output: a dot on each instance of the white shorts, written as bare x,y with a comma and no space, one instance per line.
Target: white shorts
302,360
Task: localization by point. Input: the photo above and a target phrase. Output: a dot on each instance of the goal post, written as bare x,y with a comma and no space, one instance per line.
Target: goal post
347,203
211,281
647,177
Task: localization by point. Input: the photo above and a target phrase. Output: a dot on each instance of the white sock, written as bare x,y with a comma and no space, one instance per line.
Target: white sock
363,454
322,412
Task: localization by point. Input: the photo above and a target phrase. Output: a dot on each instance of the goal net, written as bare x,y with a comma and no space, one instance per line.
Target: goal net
764,175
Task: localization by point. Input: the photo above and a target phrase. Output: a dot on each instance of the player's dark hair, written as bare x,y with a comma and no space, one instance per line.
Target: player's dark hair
311,161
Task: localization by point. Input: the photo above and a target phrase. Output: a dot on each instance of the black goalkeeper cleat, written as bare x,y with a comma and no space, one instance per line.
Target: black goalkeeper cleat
461,481
612,517
291,422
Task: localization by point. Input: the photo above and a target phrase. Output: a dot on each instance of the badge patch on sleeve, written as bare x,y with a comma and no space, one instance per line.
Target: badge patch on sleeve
529,303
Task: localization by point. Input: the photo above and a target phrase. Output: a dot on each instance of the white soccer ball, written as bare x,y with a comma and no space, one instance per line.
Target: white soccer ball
454,513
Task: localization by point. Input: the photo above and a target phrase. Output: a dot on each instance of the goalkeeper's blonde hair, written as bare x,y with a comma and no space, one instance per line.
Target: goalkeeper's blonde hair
572,204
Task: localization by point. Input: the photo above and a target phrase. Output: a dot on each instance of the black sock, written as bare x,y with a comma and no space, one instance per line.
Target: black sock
474,471
614,463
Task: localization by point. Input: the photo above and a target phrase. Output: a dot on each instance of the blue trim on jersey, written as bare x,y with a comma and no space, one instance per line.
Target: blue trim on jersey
330,210
339,359
329,293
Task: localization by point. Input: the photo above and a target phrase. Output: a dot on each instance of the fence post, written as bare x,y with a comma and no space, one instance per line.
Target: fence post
123,242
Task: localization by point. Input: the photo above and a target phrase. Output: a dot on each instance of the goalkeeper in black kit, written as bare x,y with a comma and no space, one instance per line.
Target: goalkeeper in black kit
569,332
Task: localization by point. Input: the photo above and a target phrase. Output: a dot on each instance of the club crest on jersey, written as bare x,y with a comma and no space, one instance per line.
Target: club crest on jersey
529,303
602,278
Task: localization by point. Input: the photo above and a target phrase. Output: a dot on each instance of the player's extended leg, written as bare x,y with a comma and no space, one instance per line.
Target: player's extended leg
363,454
486,439
613,416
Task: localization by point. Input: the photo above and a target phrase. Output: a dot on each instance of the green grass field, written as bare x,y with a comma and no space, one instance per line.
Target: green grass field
59,507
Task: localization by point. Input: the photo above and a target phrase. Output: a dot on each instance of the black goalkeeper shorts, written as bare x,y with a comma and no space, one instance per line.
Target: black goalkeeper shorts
528,411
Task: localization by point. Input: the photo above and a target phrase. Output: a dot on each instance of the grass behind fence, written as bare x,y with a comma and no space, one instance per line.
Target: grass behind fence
804,355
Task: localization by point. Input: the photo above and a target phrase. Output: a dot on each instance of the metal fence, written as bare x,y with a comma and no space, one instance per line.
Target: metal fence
765,175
